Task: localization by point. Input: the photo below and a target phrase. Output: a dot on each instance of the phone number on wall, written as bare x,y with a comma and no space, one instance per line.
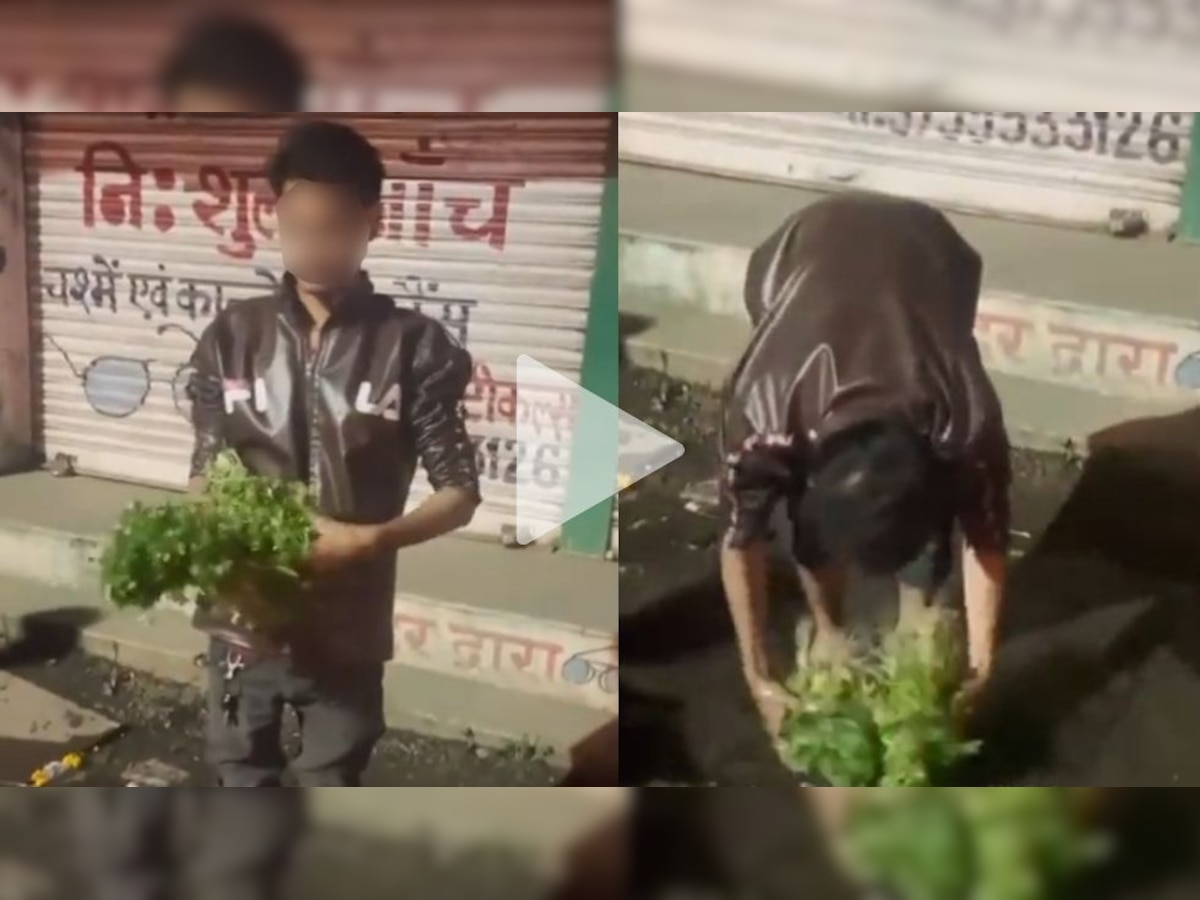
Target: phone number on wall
1156,136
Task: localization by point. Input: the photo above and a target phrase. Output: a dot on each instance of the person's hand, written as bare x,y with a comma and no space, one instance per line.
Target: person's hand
966,703
340,544
772,702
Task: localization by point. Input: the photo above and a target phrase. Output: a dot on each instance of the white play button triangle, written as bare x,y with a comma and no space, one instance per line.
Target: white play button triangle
606,451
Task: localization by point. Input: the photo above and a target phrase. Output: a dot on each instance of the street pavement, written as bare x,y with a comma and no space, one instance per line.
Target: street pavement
165,727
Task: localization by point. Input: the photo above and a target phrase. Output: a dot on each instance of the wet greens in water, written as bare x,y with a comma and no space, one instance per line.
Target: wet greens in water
245,542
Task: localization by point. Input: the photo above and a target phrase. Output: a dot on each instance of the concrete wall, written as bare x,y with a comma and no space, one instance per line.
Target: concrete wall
1064,369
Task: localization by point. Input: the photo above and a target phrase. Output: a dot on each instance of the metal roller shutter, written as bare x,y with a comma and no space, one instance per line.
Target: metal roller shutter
445,56
1073,168
145,227
956,53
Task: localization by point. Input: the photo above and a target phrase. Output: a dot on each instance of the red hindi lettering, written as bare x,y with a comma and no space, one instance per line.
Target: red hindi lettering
402,212
414,631
505,409
1008,333
482,389
234,189
424,155
522,659
120,203
494,229
469,644
496,401
1130,361
1069,351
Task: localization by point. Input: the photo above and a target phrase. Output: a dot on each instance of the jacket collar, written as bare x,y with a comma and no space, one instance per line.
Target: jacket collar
355,301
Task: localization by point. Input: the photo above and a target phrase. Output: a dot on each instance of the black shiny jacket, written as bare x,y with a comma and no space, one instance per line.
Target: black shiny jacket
382,391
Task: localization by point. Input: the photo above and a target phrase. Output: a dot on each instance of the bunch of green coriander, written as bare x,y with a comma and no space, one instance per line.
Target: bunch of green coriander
243,543
881,717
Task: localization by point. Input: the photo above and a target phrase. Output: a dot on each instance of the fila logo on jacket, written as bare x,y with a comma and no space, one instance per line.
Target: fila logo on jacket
387,407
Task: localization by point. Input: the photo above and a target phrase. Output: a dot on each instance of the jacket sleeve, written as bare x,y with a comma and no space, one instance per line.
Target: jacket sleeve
441,372
207,399
983,483
759,472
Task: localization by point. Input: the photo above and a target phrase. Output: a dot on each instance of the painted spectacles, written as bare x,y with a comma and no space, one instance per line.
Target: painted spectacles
118,386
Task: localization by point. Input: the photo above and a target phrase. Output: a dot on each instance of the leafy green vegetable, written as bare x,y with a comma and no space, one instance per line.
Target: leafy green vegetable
970,843
914,844
838,739
243,544
917,677
881,717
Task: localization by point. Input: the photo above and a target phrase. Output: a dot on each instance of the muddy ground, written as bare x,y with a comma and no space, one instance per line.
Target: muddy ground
1098,678
166,723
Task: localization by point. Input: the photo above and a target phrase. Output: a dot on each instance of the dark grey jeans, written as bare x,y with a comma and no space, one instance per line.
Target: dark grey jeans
236,844
340,709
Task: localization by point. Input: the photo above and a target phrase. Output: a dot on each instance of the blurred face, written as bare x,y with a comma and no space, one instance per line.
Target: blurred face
201,99
324,233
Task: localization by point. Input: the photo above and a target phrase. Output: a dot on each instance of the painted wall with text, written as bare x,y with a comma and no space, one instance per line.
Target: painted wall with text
143,238
1107,351
1072,168
508,651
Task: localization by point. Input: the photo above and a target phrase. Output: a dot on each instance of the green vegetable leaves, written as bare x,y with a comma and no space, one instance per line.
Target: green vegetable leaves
243,544
970,843
882,718
914,843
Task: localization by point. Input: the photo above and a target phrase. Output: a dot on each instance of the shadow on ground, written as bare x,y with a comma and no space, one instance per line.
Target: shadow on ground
1098,679
1101,681
630,325
44,636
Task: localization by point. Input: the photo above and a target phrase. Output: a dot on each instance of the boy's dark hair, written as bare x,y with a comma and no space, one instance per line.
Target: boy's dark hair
874,495
234,53
328,153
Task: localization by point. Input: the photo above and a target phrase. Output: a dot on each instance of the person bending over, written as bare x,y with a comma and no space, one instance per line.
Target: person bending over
860,428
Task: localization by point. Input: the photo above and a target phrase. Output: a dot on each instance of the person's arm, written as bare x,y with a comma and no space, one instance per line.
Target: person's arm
208,405
744,577
437,383
441,373
985,518
756,478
